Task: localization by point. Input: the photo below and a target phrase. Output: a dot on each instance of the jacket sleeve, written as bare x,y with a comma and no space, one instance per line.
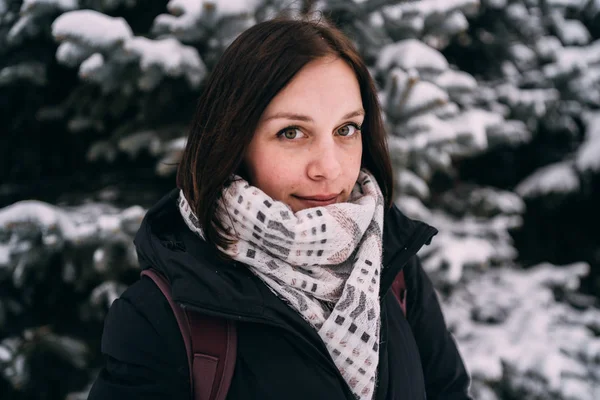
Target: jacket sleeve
443,368
143,359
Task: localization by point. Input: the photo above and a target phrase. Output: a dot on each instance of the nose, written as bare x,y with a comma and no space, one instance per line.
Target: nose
324,163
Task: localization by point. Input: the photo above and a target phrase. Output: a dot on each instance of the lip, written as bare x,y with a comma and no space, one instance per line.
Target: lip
319,200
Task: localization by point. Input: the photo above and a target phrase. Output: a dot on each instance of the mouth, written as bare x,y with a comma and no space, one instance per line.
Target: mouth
318,200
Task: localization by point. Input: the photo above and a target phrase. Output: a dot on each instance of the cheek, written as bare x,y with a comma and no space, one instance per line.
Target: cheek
273,173
353,165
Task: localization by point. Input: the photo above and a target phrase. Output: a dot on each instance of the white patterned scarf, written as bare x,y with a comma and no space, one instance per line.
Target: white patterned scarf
325,262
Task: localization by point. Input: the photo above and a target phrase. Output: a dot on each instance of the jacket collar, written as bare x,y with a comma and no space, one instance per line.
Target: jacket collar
200,279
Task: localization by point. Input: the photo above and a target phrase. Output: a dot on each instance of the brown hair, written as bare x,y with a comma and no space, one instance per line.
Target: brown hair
252,70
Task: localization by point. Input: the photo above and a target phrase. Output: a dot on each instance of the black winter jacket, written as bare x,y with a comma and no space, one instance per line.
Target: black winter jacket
279,355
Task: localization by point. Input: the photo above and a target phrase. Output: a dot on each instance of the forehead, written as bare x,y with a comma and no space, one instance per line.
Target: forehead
327,85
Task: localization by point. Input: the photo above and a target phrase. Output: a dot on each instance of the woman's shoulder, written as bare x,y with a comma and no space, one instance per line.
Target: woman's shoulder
144,295
139,320
144,353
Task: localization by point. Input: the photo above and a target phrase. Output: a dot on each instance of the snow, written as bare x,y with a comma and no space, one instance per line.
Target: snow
5,251
133,213
575,4
167,165
91,65
5,354
170,56
511,132
446,111
33,72
59,225
405,94
400,80
99,256
181,7
424,95
25,26
102,150
593,8
176,144
62,5
570,58
138,141
33,211
548,47
234,7
188,18
537,337
437,7
393,11
592,125
88,223
409,54
456,22
475,123
184,20
452,80
537,100
554,178
72,54
524,56
502,202
91,28
106,293
411,184
517,11
413,207
588,156
496,4
451,254
376,19
464,133
572,32
428,130
109,223
85,32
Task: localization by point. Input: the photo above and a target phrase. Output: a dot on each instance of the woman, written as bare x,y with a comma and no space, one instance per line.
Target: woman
284,223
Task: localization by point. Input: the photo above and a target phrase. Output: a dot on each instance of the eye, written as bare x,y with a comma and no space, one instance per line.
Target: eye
348,130
290,133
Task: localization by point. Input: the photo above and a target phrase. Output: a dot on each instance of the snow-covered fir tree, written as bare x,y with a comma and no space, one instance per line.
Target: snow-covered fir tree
493,114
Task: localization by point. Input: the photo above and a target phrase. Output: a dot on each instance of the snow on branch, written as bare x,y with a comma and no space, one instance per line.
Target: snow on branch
31,6
33,230
92,29
448,255
33,72
588,155
170,56
411,54
192,20
104,46
509,326
558,178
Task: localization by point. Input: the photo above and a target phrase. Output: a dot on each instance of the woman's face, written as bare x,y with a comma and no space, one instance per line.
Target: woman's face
307,147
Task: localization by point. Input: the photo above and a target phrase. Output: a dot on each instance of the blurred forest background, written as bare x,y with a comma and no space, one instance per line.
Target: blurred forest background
493,113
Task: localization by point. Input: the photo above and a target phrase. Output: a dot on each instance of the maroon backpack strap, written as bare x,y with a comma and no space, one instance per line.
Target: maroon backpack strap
399,289
210,343
214,344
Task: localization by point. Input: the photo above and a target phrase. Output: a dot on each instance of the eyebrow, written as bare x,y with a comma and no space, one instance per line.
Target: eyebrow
306,118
